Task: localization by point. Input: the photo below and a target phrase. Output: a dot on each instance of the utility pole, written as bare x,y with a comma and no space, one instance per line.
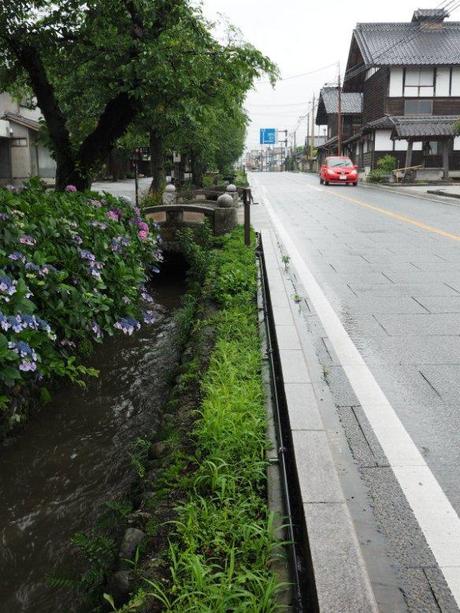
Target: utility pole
339,117
312,141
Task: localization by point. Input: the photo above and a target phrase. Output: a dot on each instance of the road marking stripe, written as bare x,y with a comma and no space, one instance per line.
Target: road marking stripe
399,217
431,507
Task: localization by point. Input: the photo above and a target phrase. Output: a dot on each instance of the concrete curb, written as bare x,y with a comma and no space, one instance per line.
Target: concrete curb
341,577
431,197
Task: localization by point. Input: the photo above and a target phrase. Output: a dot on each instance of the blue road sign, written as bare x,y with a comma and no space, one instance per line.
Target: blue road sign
267,136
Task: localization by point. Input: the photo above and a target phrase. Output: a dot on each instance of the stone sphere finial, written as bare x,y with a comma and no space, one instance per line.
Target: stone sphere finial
170,188
225,201
231,188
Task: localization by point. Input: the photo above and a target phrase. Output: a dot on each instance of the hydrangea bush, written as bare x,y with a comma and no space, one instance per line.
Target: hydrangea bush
73,269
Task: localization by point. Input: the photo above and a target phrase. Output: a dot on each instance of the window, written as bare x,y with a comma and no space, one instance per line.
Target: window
418,107
431,147
419,82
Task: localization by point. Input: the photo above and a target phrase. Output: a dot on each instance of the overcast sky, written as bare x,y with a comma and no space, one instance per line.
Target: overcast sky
302,36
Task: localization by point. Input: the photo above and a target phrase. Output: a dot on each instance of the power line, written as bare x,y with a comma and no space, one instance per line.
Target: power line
279,105
362,67
297,76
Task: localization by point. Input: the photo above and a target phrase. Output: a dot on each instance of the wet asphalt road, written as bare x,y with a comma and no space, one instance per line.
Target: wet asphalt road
390,266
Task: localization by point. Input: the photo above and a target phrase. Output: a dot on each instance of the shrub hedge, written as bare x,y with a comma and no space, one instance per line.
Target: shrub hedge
73,269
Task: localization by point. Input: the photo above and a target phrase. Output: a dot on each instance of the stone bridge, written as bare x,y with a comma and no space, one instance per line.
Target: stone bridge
173,217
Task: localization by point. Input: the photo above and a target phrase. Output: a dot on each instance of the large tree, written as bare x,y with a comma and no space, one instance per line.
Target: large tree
96,66
84,61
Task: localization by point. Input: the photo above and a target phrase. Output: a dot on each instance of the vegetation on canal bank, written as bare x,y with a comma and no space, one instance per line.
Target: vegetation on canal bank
72,270
208,538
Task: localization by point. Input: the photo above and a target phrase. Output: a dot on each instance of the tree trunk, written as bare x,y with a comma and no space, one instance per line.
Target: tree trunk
157,162
197,170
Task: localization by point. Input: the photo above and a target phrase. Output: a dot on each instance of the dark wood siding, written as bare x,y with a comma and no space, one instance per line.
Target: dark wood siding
441,106
374,94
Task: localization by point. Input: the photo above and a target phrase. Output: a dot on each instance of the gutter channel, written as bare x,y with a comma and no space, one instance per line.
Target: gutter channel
284,495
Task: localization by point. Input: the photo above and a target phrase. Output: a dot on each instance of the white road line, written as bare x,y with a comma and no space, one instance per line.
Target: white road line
432,509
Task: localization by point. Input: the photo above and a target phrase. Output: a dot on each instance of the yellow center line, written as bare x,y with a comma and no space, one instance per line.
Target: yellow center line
403,218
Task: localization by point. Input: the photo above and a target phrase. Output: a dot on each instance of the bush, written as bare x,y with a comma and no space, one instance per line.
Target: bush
387,163
72,269
377,176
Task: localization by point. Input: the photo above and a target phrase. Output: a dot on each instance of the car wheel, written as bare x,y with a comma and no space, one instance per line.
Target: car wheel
355,183
321,181
326,182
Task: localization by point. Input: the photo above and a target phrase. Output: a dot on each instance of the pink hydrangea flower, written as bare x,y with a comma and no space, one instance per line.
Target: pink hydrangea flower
142,234
70,188
143,226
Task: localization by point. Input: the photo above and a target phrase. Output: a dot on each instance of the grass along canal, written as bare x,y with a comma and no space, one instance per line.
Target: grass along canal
165,488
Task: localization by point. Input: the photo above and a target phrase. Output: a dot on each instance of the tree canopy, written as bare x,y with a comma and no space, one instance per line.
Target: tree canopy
97,66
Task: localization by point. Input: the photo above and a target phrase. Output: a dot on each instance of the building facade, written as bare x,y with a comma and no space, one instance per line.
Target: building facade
21,154
408,75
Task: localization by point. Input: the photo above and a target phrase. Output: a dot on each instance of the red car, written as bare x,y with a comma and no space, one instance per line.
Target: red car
338,169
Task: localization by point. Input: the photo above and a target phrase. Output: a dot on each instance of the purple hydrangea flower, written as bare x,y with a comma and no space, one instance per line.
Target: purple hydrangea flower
87,255
7,287
146,296
4,323
16,323
70,188
143,226
17,256
28,366
77,239
149,317
127,325
97,330
99,224
4,216
113,215
119,243
27,240
23,349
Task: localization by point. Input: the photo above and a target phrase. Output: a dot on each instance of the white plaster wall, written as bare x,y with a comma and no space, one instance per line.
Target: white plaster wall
396,82
383,141
442,81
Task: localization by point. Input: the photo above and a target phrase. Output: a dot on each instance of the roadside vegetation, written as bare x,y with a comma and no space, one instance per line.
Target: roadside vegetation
200,503
73,269
383,172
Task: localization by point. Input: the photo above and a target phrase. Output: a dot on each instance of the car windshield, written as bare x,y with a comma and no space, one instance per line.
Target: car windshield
334,162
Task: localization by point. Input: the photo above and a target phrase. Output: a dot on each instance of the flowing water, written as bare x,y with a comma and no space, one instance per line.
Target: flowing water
74,455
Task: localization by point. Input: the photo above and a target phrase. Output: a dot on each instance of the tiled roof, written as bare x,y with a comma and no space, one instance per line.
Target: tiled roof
351,102
427,43
424,126
22,121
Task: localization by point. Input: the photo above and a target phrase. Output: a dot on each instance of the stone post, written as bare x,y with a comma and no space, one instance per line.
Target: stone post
225,215
169,195
233,192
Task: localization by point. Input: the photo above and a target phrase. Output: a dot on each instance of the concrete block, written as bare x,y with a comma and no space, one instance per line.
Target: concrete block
302,407
294,367
287,337
341,580
315,467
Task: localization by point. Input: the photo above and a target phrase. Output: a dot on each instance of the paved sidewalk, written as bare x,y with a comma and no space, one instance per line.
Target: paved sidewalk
125,187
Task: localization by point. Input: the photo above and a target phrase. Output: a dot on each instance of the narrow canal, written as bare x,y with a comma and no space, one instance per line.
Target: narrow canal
73,456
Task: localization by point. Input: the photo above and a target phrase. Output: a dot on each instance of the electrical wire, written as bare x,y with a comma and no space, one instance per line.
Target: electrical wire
363,67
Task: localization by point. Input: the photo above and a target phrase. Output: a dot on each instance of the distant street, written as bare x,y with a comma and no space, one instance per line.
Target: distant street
389,265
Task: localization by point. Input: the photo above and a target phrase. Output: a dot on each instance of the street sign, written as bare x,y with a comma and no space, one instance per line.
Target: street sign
267,136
